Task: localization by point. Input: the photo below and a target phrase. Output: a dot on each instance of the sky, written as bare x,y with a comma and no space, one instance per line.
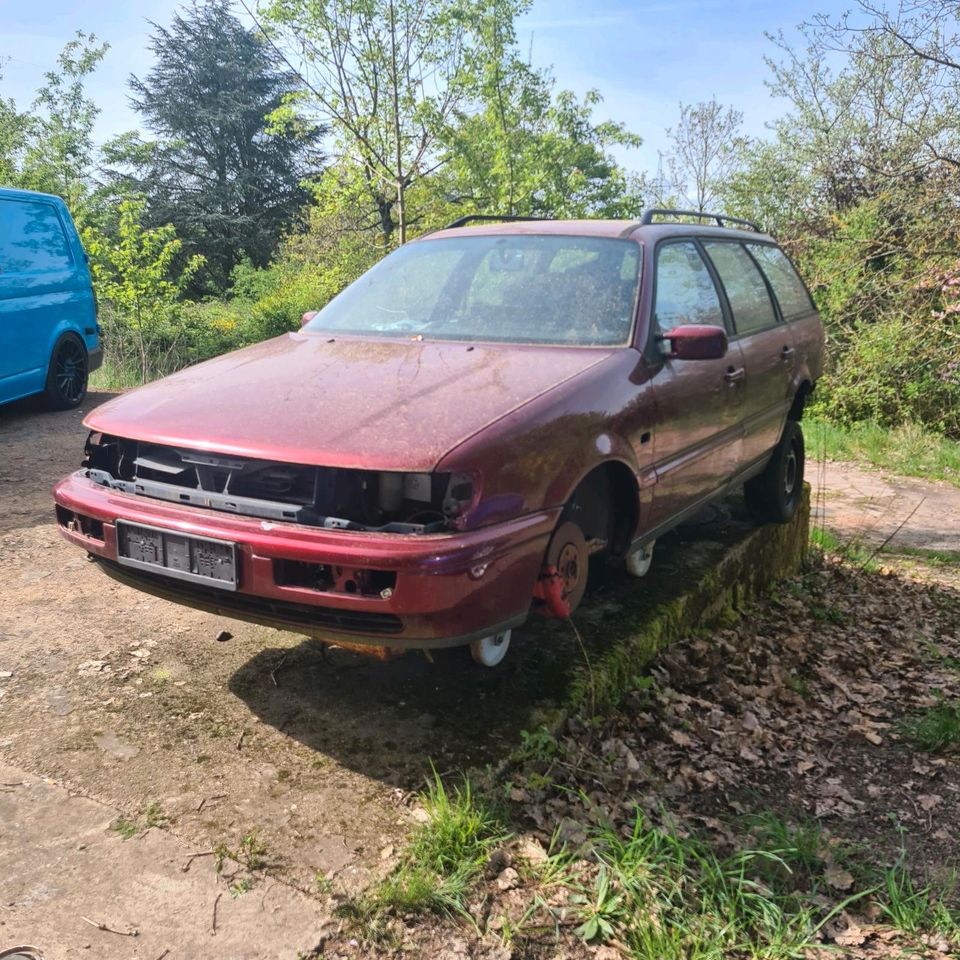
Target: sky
643,57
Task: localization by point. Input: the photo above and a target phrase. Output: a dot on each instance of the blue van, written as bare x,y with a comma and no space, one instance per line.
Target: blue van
49,336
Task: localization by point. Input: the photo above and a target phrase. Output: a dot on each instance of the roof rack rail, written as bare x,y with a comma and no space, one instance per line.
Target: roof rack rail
488,218
721,218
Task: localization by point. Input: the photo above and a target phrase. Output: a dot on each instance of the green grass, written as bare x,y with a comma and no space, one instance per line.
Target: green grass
112,378
908,450
670,897
854,551
934,729
915,909
443,858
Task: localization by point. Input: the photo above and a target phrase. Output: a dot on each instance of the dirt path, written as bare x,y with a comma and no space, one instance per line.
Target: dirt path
145,716
869,506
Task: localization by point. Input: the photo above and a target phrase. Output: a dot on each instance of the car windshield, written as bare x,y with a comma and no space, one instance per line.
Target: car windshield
507,288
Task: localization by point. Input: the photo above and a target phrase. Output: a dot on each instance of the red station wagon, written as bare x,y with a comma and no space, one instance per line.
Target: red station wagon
442,448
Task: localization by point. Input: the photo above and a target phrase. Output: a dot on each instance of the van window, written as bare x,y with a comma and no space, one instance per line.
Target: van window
787,286
746,290
31,238
685,292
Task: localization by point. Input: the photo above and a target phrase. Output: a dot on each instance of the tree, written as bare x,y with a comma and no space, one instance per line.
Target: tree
136,280
706,150
51,148
516,147
229,185
386,75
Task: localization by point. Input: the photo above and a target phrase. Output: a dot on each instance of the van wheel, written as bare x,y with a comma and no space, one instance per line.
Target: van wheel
774,495
67,376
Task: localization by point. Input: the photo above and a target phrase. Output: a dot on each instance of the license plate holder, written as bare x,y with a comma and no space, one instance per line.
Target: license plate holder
182,556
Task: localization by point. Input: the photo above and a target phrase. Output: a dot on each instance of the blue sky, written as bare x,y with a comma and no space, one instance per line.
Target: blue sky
644,57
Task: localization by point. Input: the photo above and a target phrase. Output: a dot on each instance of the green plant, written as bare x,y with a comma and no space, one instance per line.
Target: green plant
601,911
126,828
916,909
935,728
458,832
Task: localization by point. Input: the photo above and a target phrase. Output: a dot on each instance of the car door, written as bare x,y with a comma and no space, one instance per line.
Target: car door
766,343
697,434
37,277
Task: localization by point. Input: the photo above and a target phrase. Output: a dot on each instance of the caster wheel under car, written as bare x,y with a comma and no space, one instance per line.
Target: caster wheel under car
639,561
489,651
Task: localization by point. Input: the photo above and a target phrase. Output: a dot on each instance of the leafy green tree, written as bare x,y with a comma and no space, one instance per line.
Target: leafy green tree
386,75
706,149
229,185
51,148
139,286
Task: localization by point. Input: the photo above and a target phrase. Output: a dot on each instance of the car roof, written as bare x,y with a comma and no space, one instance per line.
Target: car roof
15,193
620,229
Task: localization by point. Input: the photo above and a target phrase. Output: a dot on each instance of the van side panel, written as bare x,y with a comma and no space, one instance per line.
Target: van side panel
45,290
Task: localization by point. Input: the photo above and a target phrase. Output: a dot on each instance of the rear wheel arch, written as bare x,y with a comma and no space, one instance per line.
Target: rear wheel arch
800,401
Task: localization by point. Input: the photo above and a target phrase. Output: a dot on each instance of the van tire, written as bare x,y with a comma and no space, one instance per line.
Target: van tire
67,374
774,495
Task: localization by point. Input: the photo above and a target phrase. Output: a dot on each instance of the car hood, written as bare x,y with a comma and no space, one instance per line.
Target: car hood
342,402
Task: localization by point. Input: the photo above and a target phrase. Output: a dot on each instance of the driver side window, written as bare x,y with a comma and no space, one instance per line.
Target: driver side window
685,292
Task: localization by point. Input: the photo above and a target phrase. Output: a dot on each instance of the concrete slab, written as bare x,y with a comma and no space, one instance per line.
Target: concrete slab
60,861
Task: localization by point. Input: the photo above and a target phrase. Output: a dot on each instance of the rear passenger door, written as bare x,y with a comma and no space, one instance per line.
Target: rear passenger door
766,342
37,278
697,435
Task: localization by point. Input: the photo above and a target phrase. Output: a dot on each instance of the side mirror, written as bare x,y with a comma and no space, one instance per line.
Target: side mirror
694,341
307,317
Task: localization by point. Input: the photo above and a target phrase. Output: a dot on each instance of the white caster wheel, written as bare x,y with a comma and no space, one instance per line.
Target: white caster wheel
639,561
489,651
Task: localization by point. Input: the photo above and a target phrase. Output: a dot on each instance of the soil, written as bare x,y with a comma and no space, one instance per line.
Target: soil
144,716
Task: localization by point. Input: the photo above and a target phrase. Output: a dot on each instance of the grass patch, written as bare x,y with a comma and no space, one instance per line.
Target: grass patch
670,897
854,551
152,816
443,858
914,909
934,729
908,450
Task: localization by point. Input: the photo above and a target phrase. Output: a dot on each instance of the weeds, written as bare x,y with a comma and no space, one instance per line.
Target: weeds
913,909
152,816
935,728
442,860
673,897
908,450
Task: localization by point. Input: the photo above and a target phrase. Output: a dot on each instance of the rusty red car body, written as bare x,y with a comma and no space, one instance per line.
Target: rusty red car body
622,439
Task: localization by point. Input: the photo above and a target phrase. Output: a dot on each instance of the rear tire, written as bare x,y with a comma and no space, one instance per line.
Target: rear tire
774,495
67,375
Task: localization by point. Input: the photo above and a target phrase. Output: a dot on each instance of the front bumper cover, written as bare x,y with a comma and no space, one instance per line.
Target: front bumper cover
450,587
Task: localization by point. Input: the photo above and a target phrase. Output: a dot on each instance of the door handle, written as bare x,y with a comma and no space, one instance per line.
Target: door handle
786,353
734,374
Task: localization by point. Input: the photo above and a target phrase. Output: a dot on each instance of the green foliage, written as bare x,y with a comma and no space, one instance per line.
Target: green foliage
228,185
917,909
670,897
934,729
134,280
458,832
51,148
909,450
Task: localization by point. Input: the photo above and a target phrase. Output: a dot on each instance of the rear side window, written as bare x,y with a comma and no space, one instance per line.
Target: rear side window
787,286
685,292
746,290
31,238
